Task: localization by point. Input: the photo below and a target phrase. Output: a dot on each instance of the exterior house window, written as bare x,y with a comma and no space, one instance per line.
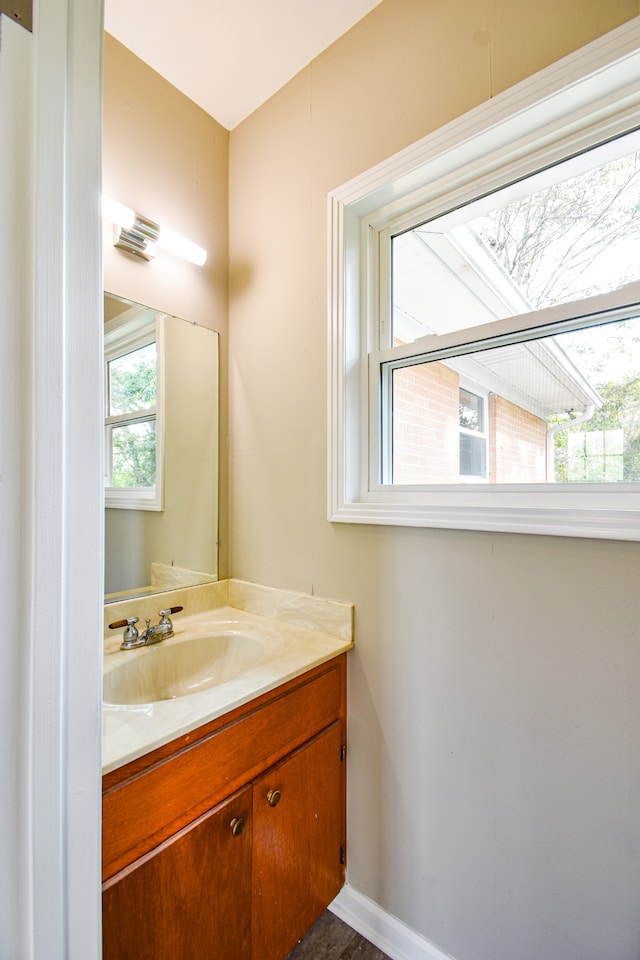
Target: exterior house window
485,303
133,410
472,419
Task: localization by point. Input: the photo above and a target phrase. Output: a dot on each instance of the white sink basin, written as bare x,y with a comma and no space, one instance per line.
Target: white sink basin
172,669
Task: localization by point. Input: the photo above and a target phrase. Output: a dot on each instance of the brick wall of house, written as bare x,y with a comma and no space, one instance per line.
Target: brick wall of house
425,424
426,431
517,443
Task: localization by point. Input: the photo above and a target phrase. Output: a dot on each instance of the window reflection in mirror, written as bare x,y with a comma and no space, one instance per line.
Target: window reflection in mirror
161,451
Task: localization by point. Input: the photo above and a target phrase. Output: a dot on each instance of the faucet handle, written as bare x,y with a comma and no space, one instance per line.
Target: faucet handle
164,614
130,635
128,622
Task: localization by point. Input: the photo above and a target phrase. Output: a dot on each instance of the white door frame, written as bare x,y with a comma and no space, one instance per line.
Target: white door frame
51,494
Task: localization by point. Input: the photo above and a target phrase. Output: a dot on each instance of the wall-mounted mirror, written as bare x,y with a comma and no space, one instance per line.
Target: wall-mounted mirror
161,451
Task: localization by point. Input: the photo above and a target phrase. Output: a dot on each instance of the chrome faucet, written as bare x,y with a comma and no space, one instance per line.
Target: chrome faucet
161,630
131,639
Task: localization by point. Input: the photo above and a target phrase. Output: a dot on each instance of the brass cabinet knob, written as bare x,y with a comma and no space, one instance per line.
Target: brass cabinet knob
237,826
273,798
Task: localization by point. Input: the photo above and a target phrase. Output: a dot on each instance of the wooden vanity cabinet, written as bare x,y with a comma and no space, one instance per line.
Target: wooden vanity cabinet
298,852
173,902
229,843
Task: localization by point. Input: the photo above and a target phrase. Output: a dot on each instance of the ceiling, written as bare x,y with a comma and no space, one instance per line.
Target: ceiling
229,56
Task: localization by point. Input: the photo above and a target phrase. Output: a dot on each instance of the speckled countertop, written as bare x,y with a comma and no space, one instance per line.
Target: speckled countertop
296,632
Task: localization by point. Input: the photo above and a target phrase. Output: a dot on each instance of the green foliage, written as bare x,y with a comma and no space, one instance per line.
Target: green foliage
132,388
134,455
621,411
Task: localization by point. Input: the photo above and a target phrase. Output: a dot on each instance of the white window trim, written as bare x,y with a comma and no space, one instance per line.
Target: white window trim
581,100
138,498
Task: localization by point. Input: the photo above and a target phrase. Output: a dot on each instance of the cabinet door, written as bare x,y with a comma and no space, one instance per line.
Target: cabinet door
190,898
298,843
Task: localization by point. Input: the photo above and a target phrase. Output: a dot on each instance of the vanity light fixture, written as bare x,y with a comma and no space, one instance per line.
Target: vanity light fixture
140,236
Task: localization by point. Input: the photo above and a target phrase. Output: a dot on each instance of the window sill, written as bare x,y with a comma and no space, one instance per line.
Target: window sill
459,511
116,498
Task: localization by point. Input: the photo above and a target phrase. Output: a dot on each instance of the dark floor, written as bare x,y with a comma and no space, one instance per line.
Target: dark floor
331,939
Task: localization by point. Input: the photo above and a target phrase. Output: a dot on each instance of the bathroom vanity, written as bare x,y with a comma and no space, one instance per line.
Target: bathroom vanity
227,841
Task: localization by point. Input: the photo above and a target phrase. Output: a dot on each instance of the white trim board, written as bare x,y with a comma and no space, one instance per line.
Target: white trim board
51,281
382,929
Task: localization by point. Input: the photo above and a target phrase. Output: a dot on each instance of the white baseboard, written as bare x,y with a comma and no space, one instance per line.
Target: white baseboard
382,929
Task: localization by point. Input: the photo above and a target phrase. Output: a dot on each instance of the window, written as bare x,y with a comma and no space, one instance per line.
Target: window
133,447
558,237
486,314
472,421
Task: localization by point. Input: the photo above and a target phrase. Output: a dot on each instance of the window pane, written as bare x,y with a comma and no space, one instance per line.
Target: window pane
562,409
472,456
471,411
569,232
574,238
133,449
132,381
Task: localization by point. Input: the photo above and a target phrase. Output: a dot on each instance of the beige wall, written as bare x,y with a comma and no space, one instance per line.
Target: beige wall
168,159
494,774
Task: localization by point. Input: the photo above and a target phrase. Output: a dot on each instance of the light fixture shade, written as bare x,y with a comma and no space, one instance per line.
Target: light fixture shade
174,243
139,236
117,213
140,239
